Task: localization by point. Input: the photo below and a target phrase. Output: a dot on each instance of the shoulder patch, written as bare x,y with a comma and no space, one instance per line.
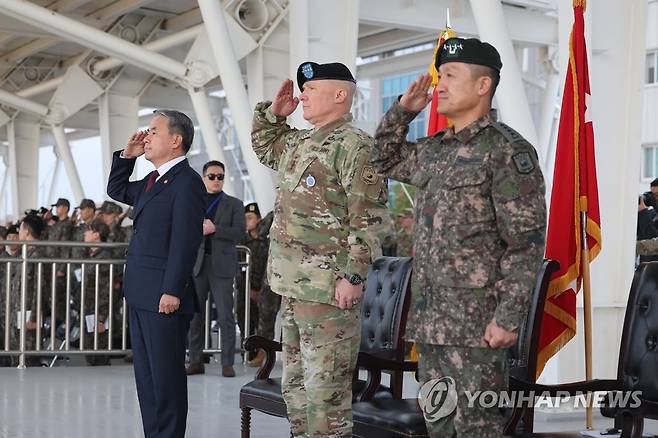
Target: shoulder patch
510,134
523,162
368,175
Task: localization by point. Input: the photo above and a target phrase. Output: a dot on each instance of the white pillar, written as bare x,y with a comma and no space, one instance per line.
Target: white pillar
236,96
210,138
23,134
548,113
118,120
64,154
510,95
322,32
52,196
616,76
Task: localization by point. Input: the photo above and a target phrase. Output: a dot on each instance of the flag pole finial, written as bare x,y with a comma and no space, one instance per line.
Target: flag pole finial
448,18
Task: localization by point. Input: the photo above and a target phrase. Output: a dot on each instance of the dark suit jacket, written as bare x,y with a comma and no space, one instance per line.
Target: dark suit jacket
230,225
167,230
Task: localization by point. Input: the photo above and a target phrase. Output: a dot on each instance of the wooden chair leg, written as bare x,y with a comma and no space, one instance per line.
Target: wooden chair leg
512,423
246,422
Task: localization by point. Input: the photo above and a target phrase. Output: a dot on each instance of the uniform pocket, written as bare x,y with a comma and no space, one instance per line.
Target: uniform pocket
294,178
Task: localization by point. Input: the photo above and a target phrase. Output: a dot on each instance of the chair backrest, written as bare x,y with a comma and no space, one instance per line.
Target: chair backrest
385,304
528,342
638,353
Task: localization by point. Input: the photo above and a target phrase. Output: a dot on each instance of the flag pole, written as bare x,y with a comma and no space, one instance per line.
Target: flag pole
587,312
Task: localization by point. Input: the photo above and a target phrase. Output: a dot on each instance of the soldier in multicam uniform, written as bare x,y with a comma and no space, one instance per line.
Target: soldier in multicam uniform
84,214
97,231
329,220
479,232
31,228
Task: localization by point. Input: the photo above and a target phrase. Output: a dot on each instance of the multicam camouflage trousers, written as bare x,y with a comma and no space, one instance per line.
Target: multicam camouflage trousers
473,369
320,346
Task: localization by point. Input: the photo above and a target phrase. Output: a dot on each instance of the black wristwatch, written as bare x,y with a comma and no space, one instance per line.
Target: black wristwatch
354,279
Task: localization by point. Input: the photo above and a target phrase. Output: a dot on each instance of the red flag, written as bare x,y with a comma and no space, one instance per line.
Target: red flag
437,121
574,191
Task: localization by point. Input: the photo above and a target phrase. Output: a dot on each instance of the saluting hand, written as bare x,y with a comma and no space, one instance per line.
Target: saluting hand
135,146
417,96
284,102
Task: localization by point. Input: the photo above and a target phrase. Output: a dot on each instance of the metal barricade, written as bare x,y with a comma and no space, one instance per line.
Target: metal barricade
55,333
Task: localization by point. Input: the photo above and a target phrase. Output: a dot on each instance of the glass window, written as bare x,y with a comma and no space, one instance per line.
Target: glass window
651,67
392,87
648,161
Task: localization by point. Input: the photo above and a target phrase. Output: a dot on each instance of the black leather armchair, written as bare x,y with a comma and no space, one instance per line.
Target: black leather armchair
636,371
395,418
383,315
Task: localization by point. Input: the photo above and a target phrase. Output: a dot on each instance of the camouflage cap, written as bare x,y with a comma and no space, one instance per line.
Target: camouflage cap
62,201
110,207
87,203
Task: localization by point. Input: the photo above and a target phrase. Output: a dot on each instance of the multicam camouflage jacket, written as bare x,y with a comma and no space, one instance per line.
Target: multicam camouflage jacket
480,217
330,214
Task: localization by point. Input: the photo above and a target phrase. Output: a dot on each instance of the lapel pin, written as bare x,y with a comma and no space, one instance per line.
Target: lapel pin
166,181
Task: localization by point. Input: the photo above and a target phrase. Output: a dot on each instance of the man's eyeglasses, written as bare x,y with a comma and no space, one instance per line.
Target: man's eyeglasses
212,176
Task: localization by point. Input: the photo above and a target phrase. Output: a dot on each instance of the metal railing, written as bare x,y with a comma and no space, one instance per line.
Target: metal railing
70,327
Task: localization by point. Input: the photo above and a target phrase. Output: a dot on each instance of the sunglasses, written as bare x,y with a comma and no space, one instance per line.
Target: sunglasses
212,176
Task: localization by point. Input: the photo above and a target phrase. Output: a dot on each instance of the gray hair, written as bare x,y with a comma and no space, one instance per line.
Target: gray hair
179,123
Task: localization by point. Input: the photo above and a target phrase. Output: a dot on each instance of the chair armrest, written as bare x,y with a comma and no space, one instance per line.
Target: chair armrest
270,348
583,386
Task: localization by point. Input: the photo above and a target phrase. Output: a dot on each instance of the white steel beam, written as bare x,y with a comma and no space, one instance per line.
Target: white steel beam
64,154
510,95
23,104
236,96
210,138
93,38
530,26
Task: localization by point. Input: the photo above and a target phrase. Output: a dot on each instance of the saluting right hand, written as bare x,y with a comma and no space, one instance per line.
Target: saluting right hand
284,102
135,146
417,97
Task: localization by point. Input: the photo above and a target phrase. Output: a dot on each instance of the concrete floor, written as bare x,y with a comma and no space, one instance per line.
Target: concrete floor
81,402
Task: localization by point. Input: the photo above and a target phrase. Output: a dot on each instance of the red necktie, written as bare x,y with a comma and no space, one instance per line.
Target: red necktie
151,181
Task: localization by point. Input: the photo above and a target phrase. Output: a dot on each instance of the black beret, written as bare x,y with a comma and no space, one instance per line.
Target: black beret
312,71
252,208
469,51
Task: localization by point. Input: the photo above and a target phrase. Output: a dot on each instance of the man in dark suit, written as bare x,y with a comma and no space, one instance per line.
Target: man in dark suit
167,230
216,266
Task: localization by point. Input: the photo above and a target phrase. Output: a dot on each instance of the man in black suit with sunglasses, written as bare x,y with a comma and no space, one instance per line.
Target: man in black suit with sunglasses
215,268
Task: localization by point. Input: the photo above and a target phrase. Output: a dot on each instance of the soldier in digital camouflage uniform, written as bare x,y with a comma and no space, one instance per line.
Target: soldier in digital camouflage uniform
61,231
479,230
329,219
31,228
97,231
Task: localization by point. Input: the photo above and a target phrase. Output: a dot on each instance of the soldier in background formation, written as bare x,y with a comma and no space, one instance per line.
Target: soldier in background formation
330,219
108,289
479,230
264,303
